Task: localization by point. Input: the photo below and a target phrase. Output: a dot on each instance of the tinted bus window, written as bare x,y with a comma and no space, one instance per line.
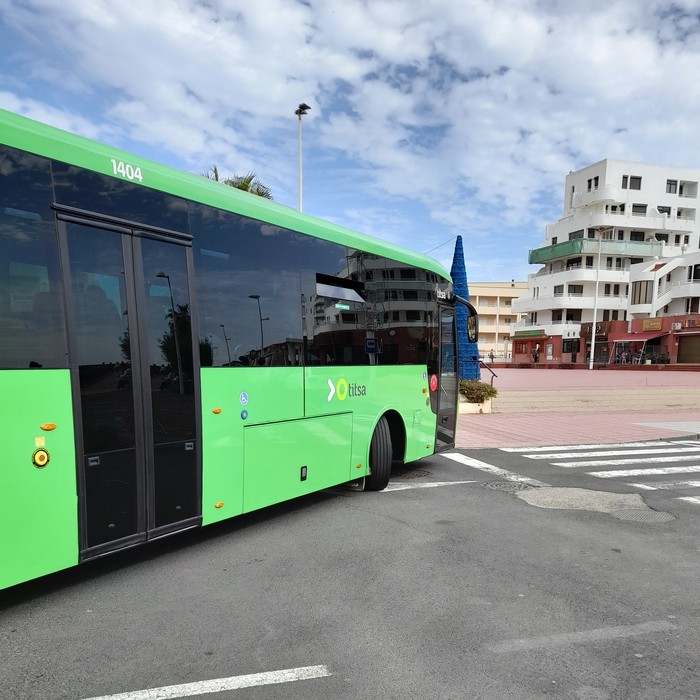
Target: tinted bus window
93,192
32,325
248,281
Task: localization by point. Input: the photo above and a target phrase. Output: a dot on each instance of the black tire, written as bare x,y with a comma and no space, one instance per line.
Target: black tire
380,454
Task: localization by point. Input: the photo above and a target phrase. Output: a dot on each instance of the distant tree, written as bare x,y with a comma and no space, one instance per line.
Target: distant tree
247,183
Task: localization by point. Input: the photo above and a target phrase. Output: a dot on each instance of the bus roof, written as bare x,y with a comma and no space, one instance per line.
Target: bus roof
43,140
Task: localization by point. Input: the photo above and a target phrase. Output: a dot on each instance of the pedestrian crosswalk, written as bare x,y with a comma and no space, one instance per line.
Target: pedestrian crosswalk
641,465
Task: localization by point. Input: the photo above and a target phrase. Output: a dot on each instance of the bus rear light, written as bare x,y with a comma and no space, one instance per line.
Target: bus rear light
220,504
216,410
48,426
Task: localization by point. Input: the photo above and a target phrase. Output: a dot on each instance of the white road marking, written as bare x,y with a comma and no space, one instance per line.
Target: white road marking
620,462
668,485
643,472
613,453
491,469
399,486
554,448
218,685
690,499
597,635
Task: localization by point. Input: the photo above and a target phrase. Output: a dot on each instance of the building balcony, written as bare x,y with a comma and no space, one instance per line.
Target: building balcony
578,273
563,302
597,218
589,246
606,193
678,290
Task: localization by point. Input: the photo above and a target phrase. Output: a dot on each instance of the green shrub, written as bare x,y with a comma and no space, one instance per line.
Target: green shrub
475,391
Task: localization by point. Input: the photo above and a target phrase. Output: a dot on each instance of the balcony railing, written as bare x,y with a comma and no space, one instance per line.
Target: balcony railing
589,246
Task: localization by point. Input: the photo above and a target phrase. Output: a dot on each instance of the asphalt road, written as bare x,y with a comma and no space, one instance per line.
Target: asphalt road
458,590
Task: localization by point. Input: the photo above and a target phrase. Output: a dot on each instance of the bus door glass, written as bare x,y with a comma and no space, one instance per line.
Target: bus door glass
132,355
447,381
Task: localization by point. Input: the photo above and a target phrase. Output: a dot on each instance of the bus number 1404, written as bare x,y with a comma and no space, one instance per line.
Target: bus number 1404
119,167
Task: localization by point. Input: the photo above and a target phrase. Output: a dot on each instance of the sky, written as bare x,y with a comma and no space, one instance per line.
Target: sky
428,119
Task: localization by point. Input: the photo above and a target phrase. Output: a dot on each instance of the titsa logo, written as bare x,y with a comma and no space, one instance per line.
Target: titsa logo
342,389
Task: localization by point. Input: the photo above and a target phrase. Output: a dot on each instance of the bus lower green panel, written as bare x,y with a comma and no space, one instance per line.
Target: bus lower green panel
286,460
39,513
369,392
233,398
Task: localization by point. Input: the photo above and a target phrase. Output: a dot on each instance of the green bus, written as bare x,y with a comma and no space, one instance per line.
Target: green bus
174,352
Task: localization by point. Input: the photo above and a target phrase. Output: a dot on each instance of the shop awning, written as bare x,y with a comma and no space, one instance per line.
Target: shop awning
637,337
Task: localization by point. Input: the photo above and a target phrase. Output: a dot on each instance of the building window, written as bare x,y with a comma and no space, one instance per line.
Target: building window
620,235
636,235
635,182
664,210
558,290
607,290
686,240
671,186
624,182
554,240
576,289
576,234
641,292
661,237
595,182
639,208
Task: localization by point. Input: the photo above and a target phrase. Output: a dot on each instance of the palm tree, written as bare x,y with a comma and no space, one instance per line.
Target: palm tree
247,183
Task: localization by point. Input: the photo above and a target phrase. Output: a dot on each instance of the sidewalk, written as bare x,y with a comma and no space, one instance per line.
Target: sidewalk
569,407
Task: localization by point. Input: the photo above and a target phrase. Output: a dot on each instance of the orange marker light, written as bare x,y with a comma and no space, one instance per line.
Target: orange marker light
358,466
216,410
425,391
220,504
48,426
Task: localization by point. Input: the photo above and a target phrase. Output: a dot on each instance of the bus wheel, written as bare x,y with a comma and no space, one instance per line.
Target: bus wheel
380,454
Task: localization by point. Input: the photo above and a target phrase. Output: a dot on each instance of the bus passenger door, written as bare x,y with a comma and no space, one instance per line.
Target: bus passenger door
448,381
132,363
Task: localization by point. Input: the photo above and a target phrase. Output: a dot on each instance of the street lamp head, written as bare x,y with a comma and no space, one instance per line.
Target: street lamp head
302,109
253,296
162,275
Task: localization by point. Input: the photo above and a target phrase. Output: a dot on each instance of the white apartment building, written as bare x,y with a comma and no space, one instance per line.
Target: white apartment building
616,214
494,304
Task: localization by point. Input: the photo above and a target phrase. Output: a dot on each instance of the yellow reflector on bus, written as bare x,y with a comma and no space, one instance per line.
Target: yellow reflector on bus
48,426
40,458
216,410
220,504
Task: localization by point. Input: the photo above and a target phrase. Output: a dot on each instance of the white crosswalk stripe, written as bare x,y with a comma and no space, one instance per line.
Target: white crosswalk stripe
609,457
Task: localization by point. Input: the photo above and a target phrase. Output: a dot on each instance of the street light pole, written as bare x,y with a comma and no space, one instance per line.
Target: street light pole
178,358
262,337
228,352
301,110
